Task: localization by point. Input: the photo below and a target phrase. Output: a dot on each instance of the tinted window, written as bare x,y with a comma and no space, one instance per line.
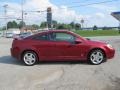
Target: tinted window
61,37
41,37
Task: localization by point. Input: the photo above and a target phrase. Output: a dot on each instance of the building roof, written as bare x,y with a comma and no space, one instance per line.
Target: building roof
116,15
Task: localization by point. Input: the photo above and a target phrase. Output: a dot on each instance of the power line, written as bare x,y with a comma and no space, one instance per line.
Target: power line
38,11
13,9
8,18
103,2
83,5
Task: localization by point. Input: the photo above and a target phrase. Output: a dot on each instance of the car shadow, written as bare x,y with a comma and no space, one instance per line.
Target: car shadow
63,63
11,60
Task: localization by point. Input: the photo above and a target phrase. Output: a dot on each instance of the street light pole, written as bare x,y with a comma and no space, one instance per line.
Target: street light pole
5,14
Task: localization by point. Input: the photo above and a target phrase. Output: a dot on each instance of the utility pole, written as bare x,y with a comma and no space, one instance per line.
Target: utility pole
22,14
5,16
82,23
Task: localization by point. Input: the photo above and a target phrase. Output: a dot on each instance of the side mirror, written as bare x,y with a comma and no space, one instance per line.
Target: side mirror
88,38
78,41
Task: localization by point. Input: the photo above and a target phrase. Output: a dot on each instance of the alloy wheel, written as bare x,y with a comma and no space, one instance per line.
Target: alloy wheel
96,57
29,58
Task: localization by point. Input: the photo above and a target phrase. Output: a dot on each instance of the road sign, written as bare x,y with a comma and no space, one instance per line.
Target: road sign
49,17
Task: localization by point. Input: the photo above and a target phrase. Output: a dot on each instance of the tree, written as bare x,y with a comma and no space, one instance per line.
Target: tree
12,24
69,27
77,26
43,25
9,25
61,26
64,26
54,23
72,24
21,24
35,26
95,27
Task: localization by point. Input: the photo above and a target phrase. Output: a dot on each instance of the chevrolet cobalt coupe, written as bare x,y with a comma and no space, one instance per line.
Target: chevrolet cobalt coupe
60,45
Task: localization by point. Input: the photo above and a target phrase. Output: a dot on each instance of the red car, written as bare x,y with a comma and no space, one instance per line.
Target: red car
60,45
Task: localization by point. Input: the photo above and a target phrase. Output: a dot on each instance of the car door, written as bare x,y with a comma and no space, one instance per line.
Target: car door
47,48
65,43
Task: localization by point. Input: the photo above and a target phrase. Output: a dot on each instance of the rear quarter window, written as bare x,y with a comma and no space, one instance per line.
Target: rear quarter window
41,37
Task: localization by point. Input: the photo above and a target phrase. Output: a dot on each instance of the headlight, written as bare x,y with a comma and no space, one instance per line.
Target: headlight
109,46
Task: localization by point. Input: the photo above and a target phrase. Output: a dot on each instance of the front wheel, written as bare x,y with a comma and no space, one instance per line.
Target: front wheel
29,58
96,57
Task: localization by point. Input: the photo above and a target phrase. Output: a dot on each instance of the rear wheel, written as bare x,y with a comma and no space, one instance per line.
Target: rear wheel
29,58
96,57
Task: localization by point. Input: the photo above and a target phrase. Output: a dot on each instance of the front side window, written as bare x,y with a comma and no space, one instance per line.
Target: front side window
61,37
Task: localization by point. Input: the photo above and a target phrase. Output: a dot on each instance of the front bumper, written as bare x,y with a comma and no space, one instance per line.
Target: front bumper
111,53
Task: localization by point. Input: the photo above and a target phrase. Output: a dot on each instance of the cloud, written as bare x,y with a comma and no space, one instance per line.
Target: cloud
63,14
60,13
100,15
105,8
38,4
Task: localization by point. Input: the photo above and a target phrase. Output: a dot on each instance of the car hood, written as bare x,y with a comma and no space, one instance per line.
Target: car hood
92,42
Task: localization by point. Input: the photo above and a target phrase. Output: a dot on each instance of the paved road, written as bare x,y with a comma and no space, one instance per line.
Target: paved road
59,76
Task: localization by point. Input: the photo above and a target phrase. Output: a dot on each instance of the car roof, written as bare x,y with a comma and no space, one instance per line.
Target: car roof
47,31
67,31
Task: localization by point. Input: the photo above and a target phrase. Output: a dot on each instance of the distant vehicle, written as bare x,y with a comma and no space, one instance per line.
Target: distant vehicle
60,45
9,35
11,32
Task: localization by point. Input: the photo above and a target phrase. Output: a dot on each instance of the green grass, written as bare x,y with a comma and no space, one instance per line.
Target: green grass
90,33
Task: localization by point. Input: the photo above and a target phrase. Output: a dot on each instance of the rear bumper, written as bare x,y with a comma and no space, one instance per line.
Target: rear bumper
14,53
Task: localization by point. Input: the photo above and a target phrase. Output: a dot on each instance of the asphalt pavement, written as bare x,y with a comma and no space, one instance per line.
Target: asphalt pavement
59,75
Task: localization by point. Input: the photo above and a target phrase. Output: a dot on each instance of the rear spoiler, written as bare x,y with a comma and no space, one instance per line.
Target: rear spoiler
17,38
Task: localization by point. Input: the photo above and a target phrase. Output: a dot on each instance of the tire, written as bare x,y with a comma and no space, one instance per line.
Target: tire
96,57
29,58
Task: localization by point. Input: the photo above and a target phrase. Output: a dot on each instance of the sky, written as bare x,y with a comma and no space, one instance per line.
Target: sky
63,11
